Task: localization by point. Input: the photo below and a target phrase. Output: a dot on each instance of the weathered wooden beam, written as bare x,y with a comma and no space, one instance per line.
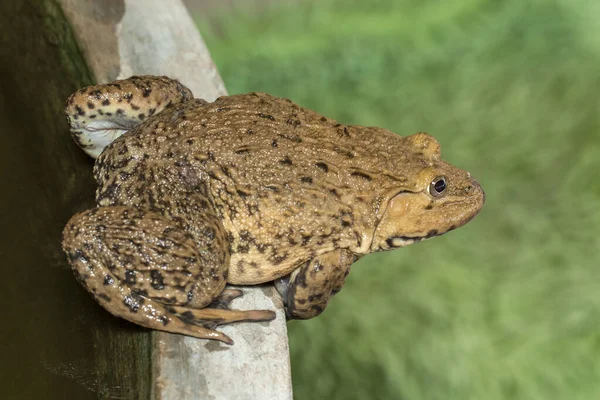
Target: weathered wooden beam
133,37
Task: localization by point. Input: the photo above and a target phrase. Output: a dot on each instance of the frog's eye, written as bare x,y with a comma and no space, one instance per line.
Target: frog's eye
438,186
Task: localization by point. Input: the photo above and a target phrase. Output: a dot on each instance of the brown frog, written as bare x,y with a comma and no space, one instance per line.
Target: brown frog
248,189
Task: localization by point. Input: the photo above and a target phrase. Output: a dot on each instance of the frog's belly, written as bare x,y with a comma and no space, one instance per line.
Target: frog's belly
253,267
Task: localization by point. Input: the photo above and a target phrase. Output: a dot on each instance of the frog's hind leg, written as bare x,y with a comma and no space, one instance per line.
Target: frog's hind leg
225,298
99,114
142,266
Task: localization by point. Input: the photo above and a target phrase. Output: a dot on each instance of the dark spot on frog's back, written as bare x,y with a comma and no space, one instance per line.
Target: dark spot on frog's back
292,138
286,161
79,110
322,166
362,175
146,92
267,116
244,150
306,239
226,171
242,194
90,105
106,102
306,179
272,188
293,121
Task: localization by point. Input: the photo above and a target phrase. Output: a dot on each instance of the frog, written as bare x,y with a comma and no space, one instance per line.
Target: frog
244,190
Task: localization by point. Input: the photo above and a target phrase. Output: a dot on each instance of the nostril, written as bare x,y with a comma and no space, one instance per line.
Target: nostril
468,189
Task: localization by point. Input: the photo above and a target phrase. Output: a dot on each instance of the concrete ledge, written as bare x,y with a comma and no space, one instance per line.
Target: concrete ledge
121,38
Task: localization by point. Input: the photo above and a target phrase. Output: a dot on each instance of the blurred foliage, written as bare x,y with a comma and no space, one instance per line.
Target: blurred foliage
507,307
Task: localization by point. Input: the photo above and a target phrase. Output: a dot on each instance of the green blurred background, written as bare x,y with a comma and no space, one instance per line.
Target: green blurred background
507,307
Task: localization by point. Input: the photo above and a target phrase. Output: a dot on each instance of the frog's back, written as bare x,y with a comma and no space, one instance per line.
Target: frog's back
274,171
269,139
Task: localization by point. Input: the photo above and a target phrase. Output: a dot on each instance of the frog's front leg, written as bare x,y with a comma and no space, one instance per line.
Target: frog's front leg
142,266
308,289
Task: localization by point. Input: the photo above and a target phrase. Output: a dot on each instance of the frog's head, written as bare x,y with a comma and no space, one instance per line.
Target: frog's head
436,199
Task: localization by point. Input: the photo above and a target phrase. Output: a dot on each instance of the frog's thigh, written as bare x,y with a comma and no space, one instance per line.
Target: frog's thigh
313,284
143,267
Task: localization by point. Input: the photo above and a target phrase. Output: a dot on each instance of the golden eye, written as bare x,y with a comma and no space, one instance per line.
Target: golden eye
438,186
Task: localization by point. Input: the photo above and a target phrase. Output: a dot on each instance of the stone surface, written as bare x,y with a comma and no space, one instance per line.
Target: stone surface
255,367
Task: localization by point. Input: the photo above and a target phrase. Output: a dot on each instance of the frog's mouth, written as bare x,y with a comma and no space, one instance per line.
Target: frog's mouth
403,241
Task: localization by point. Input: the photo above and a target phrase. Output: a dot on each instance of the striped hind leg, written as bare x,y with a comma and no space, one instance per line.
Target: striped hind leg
143,267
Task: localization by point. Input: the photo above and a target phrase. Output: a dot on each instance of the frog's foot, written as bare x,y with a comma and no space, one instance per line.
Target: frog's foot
143,267
225,298
208,319
308,289
99,114
218,313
